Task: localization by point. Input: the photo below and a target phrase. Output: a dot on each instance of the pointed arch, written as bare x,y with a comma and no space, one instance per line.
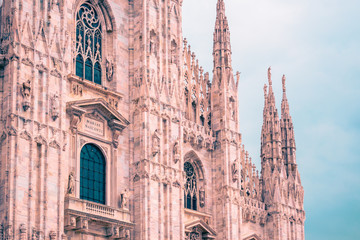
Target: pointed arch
193,158
194,174
104,10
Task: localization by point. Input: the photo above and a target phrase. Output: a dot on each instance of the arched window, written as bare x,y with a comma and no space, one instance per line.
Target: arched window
190,194
88,44
92,174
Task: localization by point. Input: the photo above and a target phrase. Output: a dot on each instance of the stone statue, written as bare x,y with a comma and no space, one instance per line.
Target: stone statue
176,151
155,143
109,70
54,106
72,221
71,184
269,75
127,234
124,199
202,197
26,92
283,82
235,170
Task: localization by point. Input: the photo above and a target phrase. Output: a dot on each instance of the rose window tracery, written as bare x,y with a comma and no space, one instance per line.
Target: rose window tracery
88,44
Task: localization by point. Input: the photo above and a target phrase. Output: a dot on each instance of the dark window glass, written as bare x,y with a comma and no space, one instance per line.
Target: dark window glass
88,44
88,70
92,174
80,66
97,73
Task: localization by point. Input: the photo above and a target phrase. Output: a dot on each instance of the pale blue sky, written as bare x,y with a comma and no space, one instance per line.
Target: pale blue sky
317,45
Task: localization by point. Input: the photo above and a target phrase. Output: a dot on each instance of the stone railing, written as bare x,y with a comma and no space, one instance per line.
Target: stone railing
99,209
99,212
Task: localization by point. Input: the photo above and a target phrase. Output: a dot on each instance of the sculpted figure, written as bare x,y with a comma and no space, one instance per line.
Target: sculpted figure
155,143
54,106
71,184
26,92
235,170
109,70
127,234
124,199
176,151
269,74
202,197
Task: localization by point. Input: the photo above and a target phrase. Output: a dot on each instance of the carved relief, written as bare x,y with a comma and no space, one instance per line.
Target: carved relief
26,92
77,89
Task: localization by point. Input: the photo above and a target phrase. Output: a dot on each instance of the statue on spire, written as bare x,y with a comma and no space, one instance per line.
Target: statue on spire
269,76
283,82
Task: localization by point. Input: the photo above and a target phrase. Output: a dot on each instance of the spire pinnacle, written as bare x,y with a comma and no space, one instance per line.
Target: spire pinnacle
222,46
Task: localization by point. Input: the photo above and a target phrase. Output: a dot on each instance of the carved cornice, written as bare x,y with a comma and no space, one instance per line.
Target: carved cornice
96,87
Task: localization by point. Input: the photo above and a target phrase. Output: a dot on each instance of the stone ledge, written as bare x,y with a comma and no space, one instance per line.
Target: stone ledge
98,88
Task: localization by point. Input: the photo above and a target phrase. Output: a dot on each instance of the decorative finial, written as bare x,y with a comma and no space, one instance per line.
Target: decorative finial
269,76
283,83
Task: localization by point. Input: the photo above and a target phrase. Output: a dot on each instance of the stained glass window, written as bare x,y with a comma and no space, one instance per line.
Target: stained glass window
190,194
92,174
88,44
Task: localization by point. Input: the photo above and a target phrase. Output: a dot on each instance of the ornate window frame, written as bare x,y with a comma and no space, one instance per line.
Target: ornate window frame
200,186
89,43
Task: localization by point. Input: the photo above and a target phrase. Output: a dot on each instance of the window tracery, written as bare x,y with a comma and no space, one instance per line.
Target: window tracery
190,194
88,44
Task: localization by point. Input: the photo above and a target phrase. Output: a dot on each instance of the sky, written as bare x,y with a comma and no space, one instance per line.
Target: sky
317,45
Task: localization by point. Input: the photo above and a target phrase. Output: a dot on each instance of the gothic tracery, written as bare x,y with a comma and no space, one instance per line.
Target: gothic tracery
88,44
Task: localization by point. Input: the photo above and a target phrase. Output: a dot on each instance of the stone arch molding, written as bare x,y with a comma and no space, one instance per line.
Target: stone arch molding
193,158
103,9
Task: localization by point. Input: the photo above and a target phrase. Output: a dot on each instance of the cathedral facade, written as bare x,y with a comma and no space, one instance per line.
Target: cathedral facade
110,129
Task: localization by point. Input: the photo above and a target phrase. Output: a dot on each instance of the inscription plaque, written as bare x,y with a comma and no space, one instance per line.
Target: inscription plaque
94,126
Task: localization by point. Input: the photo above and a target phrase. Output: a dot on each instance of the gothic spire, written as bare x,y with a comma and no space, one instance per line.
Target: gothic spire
271,135
222,47
287,132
